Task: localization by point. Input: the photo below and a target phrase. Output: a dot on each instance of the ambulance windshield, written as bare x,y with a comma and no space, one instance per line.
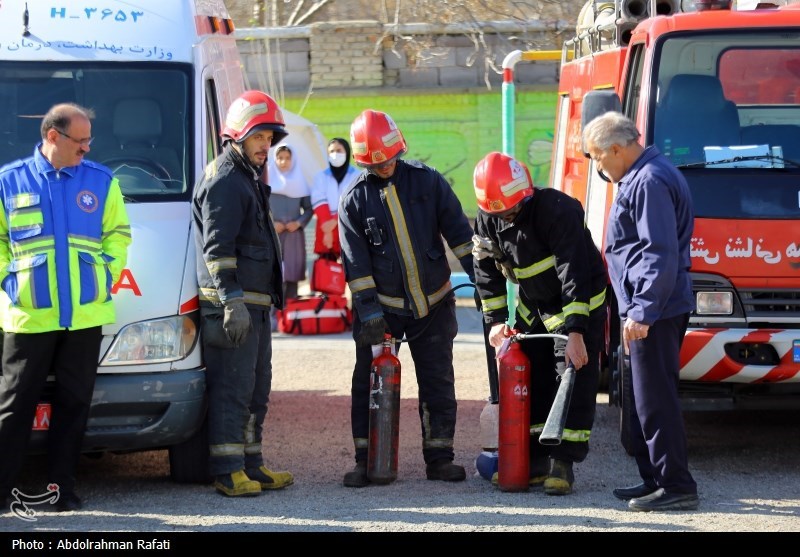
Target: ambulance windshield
141,125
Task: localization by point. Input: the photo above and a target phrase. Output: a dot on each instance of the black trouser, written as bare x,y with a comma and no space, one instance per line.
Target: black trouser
574,444
658,436
239,383
432,353
28,358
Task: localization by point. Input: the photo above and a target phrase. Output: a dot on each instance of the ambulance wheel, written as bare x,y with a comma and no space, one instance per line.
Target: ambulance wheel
188,461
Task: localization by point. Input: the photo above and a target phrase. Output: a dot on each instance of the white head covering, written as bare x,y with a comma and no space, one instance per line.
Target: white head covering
291,183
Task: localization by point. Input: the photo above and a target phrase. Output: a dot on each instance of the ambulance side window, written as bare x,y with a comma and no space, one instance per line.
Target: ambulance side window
213,119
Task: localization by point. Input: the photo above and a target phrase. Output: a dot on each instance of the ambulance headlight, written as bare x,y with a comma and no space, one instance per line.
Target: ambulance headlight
149,342
714,303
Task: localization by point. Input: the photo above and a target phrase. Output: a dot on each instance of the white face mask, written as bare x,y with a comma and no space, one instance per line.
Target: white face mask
336,159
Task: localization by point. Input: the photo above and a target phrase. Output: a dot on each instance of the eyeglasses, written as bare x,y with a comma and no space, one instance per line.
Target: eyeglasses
86,142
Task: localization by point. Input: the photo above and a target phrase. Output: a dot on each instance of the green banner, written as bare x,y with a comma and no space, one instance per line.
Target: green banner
448,131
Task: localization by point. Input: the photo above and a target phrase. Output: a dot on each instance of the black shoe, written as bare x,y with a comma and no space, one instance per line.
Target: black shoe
446,471
67,502
660,500
357,477
633,492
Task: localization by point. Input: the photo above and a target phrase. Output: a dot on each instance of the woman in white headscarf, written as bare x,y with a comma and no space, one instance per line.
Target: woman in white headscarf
291,211
328,187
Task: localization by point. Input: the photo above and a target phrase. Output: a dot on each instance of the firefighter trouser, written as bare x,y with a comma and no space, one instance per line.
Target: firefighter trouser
238,381
432,354
658,437
28,358
574,444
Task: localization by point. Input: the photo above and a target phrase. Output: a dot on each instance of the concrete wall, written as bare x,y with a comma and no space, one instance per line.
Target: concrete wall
367,54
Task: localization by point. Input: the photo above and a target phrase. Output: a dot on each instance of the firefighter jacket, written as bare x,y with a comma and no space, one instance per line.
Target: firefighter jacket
391,236
559,269
238,252
64,237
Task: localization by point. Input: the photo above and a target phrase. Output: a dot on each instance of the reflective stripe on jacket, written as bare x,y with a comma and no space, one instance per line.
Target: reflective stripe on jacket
391,234
64,237
559,268
238,252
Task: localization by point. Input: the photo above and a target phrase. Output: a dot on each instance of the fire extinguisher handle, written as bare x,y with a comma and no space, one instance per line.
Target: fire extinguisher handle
557,418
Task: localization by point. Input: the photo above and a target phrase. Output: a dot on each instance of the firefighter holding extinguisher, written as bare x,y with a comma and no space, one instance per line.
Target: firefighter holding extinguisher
536,238
391,224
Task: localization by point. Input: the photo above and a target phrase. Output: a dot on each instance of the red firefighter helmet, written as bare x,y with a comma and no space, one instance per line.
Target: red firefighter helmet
501,182
252,112
375,138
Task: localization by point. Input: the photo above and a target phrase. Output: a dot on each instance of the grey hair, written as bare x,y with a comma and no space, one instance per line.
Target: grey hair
611,128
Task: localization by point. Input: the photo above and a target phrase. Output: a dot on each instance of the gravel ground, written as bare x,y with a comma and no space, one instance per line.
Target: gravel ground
745,464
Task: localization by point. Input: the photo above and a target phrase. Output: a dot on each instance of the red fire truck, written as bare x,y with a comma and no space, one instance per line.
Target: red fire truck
717,90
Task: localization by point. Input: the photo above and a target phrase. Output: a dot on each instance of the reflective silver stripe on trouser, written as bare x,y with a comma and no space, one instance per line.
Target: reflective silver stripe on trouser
408,258
251,444
361,443
228,449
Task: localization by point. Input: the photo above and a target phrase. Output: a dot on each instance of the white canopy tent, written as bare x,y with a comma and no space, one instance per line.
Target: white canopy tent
308,144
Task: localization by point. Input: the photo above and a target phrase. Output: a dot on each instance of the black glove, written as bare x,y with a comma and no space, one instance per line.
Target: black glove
372,332
478,303
236,321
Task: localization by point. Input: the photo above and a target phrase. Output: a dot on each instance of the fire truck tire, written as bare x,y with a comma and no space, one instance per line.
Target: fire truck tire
188,461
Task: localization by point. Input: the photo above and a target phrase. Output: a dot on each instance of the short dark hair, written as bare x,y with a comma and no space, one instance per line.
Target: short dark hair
60,116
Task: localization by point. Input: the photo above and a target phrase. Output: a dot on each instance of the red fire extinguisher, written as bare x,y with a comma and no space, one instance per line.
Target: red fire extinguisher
513,465
384,415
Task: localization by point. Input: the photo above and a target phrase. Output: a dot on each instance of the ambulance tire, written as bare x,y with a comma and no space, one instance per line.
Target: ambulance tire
188,461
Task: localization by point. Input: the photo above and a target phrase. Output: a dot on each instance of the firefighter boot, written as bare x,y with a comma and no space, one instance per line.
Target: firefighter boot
237,484
537,474
357,477
269,479
538,471
560,478
445,470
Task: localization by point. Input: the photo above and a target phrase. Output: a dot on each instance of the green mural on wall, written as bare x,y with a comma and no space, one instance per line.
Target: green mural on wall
448,131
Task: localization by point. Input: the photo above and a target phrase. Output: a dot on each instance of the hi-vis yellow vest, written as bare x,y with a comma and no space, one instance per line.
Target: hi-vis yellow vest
64,238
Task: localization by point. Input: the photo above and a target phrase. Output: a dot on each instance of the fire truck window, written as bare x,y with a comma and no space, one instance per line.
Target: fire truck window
763,76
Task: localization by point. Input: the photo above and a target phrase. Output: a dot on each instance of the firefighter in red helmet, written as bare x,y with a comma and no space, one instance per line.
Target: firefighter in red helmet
536,238
240,279
392,223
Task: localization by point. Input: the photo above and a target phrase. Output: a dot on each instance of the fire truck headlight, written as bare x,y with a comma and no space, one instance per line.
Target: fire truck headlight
148,342
714,303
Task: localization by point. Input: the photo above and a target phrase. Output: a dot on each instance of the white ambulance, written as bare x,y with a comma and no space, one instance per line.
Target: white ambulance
159,76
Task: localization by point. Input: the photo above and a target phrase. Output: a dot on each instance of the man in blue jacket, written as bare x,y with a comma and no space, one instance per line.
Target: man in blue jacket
391,224
648,234
64,237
